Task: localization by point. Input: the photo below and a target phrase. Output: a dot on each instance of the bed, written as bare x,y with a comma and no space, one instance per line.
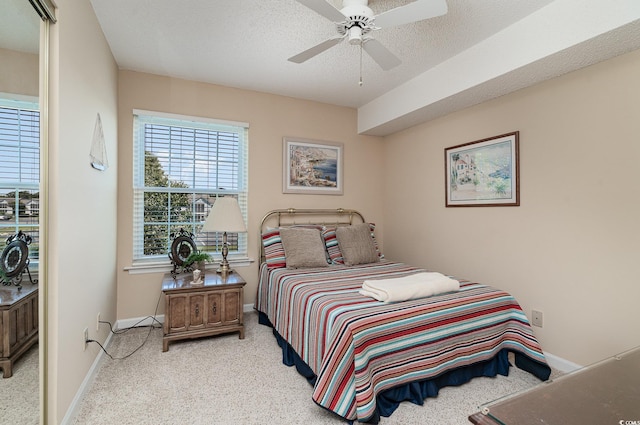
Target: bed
363,356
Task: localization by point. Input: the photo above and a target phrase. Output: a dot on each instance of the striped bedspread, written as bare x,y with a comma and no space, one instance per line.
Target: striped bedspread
358,346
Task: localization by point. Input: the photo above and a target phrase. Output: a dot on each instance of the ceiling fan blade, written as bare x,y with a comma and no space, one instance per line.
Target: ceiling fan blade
325,9
315,50
412,12
380,54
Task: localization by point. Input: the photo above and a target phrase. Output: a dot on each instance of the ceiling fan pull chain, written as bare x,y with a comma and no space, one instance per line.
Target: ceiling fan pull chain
360,82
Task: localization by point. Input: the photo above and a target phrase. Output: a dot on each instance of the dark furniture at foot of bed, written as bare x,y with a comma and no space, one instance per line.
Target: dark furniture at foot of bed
607,392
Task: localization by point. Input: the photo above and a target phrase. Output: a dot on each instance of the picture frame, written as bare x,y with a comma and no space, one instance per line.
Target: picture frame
483,173
312,167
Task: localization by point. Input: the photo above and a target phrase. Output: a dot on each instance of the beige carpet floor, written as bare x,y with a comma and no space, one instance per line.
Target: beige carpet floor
19,394
225,380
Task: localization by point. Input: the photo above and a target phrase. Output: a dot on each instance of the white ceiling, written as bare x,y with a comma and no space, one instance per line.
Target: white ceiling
246,43
479,50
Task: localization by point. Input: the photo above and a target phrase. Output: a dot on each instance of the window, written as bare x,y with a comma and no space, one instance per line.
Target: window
20,171
182,164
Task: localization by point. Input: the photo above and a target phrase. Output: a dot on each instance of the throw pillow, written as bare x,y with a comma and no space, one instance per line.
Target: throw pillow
303,248
356,244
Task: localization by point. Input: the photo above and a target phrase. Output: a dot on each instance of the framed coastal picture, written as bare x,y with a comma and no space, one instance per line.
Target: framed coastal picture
483,173
312,167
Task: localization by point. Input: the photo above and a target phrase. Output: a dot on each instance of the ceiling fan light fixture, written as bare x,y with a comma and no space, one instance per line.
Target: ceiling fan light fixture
356,21
355,35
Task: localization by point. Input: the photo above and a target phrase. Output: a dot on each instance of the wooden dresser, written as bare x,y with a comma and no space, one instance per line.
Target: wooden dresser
193,311
18,323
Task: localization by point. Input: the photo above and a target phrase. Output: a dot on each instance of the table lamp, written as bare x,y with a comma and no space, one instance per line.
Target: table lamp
225,216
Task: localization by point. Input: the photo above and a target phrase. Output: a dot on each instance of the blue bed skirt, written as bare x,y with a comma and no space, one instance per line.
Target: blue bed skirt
416,392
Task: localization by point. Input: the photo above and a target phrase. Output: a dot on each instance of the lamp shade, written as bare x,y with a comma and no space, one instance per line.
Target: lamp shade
225,216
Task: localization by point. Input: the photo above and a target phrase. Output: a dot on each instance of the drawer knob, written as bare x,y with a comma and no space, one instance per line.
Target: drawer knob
214,308
197,309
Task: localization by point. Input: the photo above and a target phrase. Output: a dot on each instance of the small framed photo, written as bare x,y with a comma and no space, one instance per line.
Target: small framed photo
312,167
483,173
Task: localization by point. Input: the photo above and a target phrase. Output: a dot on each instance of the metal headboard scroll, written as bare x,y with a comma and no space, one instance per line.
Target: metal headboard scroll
287,217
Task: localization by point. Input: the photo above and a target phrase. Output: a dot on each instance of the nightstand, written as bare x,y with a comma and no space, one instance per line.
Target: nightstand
194,311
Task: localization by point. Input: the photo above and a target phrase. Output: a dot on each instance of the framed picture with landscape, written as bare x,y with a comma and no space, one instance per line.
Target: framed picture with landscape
312,167
483,173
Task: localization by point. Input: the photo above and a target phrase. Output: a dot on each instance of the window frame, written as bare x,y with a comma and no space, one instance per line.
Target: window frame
142,117
31,104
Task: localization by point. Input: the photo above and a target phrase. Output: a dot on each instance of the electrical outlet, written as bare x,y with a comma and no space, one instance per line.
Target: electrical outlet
98,323
536,318
85,338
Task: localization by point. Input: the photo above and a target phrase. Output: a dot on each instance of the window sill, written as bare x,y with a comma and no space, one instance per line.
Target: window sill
165,267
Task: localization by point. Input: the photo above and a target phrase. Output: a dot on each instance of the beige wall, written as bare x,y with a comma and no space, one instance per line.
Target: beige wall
270,118
567,250
571,248
81,277
19,72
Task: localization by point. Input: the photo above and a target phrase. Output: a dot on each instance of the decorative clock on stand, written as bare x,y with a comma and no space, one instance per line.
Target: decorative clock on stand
181,247
14,260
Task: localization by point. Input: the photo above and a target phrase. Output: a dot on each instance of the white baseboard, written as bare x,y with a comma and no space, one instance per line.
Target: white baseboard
72,411
563,365
247,308
139,321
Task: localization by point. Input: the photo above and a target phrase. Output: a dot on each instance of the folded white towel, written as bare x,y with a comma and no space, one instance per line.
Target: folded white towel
410,287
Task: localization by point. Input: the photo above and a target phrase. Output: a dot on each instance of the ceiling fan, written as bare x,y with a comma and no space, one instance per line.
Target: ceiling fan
356,21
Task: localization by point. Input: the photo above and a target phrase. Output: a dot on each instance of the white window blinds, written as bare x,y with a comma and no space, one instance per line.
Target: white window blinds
20,170
19,144
181,165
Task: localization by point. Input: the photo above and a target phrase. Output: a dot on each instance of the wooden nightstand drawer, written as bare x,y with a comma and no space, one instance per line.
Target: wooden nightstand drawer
197,309
194,311
214,301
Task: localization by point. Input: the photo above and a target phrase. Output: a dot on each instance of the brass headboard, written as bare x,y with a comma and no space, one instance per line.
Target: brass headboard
293,216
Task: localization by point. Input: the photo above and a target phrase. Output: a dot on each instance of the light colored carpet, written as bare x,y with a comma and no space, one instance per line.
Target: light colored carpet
226,380
19,394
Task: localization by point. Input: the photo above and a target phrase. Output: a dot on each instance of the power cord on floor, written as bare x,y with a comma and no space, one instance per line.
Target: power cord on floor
134,326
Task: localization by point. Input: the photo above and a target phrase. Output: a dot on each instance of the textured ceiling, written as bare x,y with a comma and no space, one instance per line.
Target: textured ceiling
246,43
479,50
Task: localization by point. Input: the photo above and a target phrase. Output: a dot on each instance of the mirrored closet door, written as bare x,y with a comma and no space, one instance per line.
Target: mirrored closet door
22,205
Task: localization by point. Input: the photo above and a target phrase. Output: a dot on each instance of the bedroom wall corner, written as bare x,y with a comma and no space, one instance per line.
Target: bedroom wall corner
570,249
